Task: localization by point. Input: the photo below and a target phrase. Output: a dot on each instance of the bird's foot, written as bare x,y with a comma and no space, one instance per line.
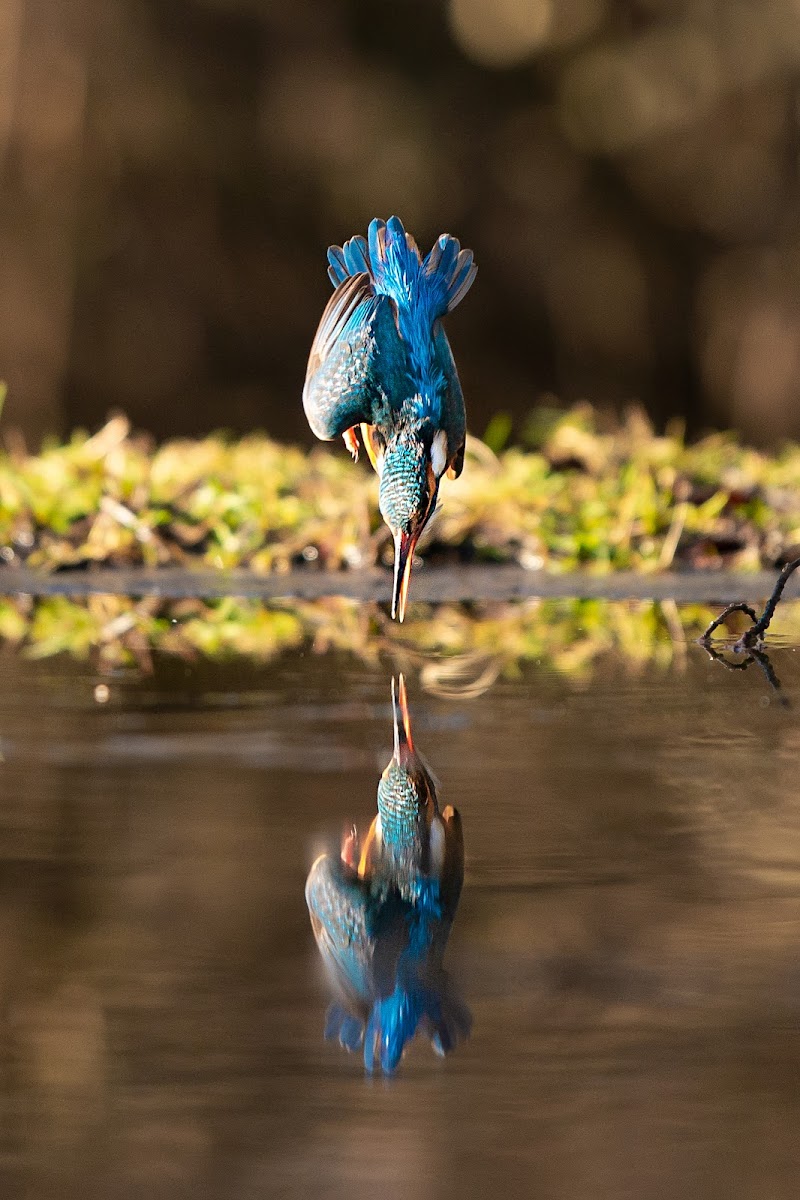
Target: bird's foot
350,438
350,849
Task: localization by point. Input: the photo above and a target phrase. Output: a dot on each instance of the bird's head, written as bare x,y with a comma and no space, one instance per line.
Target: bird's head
410,835
407,760
411,844
411,467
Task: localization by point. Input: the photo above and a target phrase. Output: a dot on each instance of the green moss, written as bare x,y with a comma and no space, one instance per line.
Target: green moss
582,496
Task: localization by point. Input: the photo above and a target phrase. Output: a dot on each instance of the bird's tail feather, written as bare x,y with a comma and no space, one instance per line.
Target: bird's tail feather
350,259
395,259
437,1011
392,259
450,271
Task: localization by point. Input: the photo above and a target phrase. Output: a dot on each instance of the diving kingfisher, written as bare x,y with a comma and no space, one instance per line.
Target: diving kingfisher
381,913
381,362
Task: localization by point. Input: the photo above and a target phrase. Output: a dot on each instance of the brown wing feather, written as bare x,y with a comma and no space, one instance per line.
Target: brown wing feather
338,311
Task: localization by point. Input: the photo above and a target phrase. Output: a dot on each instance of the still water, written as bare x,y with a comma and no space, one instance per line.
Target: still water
626,940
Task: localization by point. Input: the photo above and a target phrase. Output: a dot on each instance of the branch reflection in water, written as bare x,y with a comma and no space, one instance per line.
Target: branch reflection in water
751,655
382,910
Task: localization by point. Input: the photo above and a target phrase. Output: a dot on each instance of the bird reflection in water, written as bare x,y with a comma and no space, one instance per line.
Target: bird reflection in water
382,909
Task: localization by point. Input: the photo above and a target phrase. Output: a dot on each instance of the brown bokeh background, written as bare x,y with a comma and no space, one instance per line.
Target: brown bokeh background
173,170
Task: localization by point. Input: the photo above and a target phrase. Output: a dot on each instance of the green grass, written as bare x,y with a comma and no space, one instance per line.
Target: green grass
580,497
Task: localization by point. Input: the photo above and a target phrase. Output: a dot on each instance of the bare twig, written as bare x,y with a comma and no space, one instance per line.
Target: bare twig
753,637
752,640
726,612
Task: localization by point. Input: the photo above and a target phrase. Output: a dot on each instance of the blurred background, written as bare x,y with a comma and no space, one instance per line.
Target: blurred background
173,171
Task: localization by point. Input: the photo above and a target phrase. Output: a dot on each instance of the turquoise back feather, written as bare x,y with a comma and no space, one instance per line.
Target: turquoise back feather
422,291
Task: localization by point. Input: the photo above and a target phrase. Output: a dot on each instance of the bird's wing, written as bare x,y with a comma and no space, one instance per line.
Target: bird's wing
338,905
355,352
453,417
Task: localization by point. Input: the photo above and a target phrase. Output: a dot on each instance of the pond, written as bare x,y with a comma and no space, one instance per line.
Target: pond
625,942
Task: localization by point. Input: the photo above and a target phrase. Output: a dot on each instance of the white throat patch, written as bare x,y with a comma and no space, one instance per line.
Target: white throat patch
439,453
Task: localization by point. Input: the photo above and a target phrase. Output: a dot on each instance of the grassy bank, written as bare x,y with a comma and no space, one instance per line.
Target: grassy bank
580,496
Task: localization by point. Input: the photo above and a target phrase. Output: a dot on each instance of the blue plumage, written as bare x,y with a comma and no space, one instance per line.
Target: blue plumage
381,362
384,962
382,922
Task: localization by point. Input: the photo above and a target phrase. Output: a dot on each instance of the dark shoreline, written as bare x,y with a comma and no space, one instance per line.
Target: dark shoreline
432,585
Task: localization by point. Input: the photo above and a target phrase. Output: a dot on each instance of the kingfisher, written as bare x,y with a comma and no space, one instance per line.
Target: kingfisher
381,364
381,913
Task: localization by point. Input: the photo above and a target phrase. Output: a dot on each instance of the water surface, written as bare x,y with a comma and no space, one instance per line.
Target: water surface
626,938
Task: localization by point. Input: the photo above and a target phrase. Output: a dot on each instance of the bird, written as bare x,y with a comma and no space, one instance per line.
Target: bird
381,364
381,913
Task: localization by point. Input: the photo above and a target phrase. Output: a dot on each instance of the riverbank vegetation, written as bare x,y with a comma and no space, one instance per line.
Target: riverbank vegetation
580,493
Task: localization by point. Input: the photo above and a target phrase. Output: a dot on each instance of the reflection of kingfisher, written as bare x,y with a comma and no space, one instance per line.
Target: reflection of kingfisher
381,360
382,911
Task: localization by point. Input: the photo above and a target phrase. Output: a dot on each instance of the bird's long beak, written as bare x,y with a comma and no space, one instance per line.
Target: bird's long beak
403,741
406,755
404,544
